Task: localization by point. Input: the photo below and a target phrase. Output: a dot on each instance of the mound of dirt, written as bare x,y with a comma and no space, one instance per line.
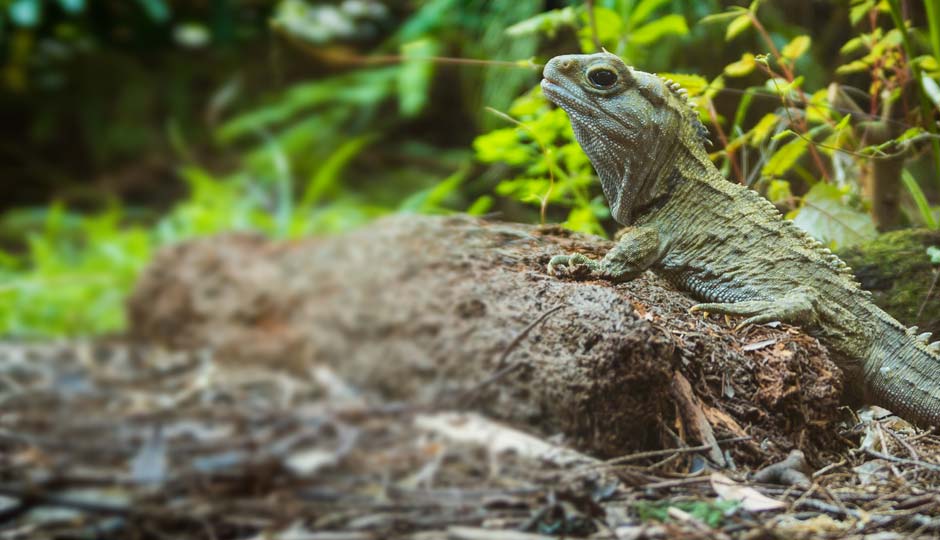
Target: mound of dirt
460,312
425,379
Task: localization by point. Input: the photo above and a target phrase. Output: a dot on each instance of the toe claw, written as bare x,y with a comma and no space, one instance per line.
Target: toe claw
757,319
573,264
557,260
707,308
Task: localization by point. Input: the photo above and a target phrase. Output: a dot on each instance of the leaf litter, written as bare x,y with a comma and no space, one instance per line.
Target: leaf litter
109,440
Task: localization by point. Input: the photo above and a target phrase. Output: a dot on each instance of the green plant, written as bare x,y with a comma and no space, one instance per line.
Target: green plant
821,138
711,513
553,172
815,143
74,275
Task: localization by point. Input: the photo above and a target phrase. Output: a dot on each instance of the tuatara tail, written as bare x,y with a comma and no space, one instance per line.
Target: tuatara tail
903,374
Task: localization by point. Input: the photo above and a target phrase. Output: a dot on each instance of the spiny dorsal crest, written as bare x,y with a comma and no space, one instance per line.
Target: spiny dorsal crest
683,95
829,258
922,341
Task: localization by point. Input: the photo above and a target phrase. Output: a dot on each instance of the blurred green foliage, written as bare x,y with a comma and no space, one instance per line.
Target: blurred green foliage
806,143
709,512
365,114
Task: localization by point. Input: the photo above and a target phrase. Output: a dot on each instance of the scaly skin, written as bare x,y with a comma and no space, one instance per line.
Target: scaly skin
721,242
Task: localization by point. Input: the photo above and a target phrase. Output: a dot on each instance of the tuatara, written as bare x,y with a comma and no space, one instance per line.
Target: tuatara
721,242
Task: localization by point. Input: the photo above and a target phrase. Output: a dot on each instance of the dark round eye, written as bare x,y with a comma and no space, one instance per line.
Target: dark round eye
602,78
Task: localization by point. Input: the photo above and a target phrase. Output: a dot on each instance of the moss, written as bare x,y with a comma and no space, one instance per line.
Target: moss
896,269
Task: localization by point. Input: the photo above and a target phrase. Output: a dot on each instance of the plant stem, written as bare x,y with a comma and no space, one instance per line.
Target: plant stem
925,106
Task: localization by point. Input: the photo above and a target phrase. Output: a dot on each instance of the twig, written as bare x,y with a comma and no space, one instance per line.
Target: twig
920,436
923,304
678,482
503,369
665,452
910,449
828,468
823,506
693,417
31,496
592,22
919,463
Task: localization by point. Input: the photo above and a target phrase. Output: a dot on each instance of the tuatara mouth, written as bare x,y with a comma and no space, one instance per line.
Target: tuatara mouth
560,96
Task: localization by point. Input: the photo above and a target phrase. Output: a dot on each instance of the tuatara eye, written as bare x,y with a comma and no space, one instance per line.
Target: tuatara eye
602,77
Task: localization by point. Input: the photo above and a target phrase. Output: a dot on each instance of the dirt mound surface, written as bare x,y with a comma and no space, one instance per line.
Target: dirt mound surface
432,311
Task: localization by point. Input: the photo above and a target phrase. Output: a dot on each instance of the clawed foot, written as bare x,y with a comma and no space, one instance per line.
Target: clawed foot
794,308
756,312
575,265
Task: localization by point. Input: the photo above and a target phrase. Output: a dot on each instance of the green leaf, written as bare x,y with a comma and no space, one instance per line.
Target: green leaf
583,219
927,62
480,206
852,45
784,158
825,217
710,512
779,191
694,84
502,146
643,10
732,12
652,32
783,87
548,23
931,88
854,66
796,47
819,110
742,67
909,133
328,175
426,19
609,26
738,25
762,129
431,200
934,253
919,199
860,9
415,76
841,124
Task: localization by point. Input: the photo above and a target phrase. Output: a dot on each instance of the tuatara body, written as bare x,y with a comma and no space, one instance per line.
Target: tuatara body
719,241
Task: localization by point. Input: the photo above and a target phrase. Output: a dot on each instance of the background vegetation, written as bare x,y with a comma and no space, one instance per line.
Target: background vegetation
131,124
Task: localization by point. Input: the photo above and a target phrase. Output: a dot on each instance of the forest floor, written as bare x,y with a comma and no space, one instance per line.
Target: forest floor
120,439
112,441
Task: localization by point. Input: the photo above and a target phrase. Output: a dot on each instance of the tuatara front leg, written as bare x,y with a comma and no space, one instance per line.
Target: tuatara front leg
796,307
638,249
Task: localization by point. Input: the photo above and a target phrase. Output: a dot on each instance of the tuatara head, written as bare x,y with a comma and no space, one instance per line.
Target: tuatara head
631,124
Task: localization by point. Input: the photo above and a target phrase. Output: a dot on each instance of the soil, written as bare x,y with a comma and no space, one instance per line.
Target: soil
426,309
425,378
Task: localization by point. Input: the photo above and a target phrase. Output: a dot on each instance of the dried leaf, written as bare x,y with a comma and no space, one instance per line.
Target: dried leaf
758,345
750,499
308,461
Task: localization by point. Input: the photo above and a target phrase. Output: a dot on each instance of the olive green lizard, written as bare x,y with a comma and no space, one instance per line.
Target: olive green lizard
721,242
